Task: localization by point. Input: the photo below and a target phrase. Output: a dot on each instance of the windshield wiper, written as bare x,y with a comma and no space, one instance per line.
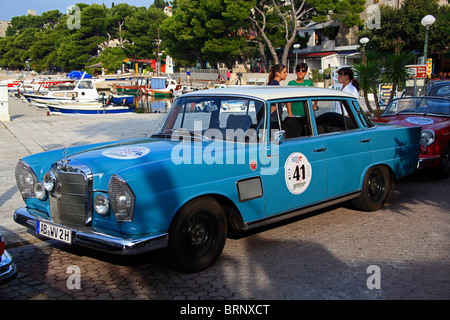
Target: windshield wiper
163,134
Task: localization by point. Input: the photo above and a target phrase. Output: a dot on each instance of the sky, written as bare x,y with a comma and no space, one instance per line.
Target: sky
11,8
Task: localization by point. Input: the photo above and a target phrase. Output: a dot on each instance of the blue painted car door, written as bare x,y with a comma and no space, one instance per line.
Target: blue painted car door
348,146
300,177
296,176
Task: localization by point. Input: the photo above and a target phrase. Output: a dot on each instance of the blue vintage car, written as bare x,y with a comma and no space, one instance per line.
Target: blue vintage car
223,159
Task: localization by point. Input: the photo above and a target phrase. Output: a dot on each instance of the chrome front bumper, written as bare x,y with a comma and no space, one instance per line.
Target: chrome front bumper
100,241
422,163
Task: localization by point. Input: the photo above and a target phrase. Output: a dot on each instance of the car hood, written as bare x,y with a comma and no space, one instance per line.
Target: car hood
109,159
105,159
414,120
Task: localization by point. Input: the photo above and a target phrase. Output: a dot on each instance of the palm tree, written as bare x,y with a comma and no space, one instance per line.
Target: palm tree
395,71
367,73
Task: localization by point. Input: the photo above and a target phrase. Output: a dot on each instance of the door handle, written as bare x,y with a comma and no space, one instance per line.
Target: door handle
365,140
321,149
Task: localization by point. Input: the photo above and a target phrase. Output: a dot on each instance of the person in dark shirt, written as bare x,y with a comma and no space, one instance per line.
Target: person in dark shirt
277,74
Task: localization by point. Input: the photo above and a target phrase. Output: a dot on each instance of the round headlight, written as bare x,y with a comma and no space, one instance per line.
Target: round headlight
39,191
101,204
427,138
49,181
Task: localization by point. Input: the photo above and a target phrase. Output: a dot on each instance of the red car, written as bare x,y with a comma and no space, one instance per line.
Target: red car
8,270
433,115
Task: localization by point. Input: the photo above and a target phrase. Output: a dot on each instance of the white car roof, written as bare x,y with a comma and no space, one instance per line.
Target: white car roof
271,92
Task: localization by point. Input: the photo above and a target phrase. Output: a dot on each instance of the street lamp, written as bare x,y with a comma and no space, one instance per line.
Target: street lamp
296,46
363,42
427,21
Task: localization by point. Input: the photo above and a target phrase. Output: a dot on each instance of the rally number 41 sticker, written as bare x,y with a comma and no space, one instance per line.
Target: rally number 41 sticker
297,173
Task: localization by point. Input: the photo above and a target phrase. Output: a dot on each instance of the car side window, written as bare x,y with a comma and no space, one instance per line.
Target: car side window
291,117
362,115
334,115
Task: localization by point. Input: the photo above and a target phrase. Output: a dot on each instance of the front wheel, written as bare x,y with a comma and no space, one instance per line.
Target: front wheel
197,235
442,170
375,191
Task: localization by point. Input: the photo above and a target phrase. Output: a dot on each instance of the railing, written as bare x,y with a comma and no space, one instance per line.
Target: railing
206,71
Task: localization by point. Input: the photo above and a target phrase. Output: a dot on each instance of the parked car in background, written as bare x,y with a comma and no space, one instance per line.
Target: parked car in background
8,270
234,158
439,89
432,114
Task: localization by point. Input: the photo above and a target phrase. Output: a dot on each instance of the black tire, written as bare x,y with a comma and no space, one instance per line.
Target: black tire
197,235
442,170
376,189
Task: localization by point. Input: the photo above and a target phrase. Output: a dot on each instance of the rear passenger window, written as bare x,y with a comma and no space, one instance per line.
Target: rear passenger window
334,116
292,118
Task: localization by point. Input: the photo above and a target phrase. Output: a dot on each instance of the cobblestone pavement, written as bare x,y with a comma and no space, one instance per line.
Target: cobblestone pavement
330,254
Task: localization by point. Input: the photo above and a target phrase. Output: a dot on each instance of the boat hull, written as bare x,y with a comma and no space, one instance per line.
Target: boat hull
68,109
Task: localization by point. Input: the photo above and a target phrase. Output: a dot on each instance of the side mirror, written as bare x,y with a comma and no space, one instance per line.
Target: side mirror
279,136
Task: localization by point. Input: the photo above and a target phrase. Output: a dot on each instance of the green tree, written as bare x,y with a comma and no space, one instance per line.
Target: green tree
142,31
116,22
185,33
111,59
79,45
404,23
395,71
47,20
294,14
207,30
368,73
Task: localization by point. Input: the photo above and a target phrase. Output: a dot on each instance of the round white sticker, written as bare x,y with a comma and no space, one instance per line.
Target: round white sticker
126,153
419,120
298,173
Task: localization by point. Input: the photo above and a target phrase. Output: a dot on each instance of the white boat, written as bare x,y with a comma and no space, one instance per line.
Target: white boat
112,77
86,108
162,87
184,89
34,85
81,91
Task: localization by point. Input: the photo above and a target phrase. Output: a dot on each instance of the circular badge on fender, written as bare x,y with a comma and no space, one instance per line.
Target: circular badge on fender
419,120
298,173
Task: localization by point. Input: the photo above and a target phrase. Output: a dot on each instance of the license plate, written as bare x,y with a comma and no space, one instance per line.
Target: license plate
54,232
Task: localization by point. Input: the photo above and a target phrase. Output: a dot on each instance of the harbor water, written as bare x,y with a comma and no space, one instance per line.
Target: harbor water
148,104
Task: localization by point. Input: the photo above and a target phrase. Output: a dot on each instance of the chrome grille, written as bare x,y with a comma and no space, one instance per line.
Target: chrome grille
71,200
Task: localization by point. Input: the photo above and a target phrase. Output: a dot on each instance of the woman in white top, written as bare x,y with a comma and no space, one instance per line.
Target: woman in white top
349,85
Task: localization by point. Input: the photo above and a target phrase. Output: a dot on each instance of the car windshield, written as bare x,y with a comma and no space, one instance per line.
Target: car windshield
422,105
214,117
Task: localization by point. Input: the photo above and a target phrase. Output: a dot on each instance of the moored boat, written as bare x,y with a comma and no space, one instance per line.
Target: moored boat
136,86
87,108
163,87
81,91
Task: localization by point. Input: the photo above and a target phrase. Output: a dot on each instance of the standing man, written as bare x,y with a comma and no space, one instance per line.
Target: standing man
301,70
298,108
188,74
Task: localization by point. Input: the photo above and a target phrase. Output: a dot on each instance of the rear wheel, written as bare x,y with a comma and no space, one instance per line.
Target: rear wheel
375,191
197,235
